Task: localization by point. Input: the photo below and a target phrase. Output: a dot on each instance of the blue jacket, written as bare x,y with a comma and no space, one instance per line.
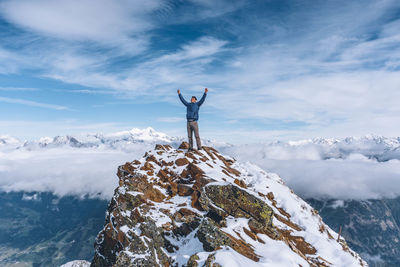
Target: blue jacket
192,109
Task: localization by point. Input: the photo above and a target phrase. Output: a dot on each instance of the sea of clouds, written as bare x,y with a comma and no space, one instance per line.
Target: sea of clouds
64,170
362,168
313,175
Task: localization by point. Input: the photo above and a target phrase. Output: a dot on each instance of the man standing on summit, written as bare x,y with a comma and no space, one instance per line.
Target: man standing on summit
192,115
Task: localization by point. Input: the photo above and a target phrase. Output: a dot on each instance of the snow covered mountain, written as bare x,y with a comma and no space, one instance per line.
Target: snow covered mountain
119,140
173,208
76,263
375,147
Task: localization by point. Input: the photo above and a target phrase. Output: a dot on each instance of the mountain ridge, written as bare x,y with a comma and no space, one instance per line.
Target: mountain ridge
177,208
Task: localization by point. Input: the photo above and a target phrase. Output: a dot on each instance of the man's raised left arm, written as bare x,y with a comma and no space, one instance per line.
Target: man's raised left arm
204,97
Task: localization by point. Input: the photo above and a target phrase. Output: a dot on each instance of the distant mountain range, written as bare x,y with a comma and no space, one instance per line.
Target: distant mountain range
118,140
375,147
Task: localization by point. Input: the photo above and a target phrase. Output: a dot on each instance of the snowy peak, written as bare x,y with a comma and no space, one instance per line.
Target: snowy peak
201,208
8,140
147,134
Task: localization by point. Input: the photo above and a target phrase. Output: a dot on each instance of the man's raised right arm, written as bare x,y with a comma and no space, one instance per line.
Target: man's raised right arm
182,99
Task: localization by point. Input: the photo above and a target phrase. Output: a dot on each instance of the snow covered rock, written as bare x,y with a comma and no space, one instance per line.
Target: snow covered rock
76,263
178,208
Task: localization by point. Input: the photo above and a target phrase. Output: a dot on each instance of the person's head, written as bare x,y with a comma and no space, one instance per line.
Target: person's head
194,99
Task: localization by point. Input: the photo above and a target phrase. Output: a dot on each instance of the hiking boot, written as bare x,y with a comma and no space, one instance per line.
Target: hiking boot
190,149
200,148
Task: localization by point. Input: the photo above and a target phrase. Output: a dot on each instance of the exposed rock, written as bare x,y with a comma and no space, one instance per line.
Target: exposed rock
184,145
192,262
240,183
211,236
181,162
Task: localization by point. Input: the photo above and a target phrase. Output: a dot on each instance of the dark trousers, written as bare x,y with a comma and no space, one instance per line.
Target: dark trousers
192,126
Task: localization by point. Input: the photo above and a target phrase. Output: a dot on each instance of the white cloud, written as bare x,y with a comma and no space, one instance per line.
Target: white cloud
10,62
345,170
171,119
64,171
97,20
18,89
203,47
31,103
339,169
153,77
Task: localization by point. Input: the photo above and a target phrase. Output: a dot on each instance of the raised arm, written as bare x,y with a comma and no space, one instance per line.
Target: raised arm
203,98
181,98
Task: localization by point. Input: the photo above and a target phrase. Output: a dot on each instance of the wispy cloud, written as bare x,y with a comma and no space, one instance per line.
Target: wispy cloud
171,119
109,22
31,103
155,76
19,89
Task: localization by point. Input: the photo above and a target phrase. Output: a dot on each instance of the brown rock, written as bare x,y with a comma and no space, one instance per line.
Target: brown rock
204,159
190,155
159,147
154,194
184,190
233,171
152,158
128,167
121,237
195,201
163,175
167,226
226,173
243,248
250,233
209,165
270,196
173,189
184,173
184,145
162,147
208,150
147,167
200,183
240,183
164,163
181,161
194,171
187,212
136,217
167,147
298,241
287,222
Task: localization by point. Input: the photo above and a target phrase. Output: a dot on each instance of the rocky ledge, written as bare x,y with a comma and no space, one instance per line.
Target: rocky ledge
200,208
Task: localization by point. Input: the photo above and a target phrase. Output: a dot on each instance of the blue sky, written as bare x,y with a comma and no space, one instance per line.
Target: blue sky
275,69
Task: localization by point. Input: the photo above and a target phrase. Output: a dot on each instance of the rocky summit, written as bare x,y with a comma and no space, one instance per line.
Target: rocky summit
201,208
